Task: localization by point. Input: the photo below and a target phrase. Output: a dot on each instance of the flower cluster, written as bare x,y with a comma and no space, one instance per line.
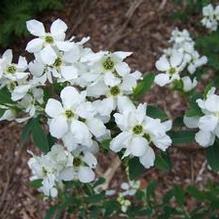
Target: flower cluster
178,60
77,93
210,17
139,132
208,123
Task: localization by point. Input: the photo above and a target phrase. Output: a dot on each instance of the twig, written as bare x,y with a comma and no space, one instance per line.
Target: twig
110,172
203,167
119,33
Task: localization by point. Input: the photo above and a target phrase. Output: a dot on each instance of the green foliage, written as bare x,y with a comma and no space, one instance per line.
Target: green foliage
40,139
182,137
144,85
15,13
135,168
156,112
208,45
192,7
212,156
163,161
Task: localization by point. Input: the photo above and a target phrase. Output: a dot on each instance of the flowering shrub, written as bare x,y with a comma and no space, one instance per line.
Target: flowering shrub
76,104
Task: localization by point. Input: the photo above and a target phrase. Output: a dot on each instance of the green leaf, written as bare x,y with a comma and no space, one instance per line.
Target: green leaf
144,85
135,168
163,161
2,111
195,193
5,96
26,132
36,183
182,137
39,136
179,195
105,144
193,109
111,207
213,156
51,212
156,113
150,191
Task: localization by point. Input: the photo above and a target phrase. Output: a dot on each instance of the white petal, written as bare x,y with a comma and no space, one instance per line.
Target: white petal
8,56
122,55
97,89
85,110
80,132
58,127
162,142
67,174
138,146
48,55
70,97
35,27
212,103
34,45
19,92
36,68
111,80
204,138
22,63
53,108
162,79
96,127
167,125
90,159
69,142
176,58
122,68
69,72
162,64
191,122
208,122
58,26
64,46
125,104
120,141
147,160
86,174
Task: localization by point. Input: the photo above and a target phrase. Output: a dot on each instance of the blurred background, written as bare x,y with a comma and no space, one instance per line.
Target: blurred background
140,26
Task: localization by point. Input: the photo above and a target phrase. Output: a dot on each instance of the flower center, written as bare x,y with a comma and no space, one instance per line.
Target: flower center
77,161
58,62
138,129
49,39
69,114
114,91
11,69
172,71
108,64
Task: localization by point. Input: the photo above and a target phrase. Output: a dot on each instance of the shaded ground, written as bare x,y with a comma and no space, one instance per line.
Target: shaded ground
112,25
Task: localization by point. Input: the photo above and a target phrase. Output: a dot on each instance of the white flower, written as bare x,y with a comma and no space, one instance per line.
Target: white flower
208,124
109,66
112,93
210,17
83,164
48,43
138,131
11,71
182,42
49,168
172,67
188,83
74,114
